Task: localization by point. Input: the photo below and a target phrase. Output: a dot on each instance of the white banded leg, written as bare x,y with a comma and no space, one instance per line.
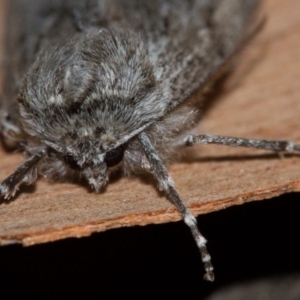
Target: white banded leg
279,146
166,185
26,173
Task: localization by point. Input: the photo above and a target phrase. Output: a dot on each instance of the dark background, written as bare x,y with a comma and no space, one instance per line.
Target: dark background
247,242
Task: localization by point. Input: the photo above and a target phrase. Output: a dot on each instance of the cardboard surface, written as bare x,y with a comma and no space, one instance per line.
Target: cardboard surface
259,100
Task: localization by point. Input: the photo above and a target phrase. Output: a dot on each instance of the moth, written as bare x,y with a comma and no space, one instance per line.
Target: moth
92,86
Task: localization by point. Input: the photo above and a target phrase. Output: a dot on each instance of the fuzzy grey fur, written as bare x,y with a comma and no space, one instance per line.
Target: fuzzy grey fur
91,84
96,73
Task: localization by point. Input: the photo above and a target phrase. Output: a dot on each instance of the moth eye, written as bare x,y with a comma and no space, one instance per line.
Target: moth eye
114,156
71,162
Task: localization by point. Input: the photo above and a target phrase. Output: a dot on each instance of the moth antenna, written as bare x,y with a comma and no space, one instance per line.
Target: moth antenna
278,146
166,184
25,173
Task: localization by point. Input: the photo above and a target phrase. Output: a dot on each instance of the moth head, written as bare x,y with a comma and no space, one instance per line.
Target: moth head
86,98
95,170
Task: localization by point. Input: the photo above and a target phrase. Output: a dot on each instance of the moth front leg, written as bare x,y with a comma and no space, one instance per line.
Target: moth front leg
25,173
166,185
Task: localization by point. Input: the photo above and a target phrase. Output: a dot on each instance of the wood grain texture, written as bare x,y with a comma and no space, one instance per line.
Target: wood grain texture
259,100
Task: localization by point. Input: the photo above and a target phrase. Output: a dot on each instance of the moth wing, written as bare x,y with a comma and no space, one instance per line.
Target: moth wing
191,40
29,24
187,41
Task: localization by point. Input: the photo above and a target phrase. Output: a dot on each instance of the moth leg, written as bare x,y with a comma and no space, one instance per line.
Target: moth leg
11,134
279,146
166,184
26,173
